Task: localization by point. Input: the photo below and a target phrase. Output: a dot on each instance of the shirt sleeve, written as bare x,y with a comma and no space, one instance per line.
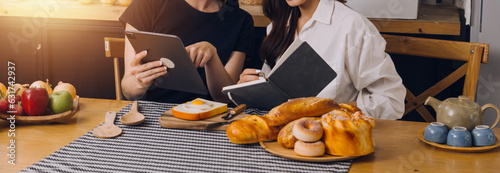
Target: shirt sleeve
141,14
246,38
381,92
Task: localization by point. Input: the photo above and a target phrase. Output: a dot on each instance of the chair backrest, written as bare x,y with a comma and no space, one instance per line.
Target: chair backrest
115,48
473,54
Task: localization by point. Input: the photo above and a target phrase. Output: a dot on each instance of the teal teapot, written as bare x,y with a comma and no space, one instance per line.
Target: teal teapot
460,112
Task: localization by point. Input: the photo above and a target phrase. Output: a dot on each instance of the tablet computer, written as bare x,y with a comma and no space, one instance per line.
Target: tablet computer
181,74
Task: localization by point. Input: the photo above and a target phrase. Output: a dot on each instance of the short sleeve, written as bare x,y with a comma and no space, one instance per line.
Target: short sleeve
246,38
141,14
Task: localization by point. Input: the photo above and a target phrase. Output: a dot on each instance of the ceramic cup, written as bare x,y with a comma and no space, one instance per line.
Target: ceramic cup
459,137
436,132
482,135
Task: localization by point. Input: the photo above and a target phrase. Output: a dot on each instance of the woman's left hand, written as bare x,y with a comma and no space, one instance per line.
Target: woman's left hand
201,53
249,74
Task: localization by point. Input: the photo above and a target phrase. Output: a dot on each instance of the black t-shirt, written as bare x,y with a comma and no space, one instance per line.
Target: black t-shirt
230,29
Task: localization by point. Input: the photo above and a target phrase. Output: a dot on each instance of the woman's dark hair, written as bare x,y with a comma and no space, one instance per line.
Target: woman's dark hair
282,33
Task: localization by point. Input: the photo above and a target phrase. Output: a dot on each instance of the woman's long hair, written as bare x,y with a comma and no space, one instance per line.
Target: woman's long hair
282,33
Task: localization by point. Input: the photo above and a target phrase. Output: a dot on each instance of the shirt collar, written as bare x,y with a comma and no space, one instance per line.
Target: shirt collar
324,11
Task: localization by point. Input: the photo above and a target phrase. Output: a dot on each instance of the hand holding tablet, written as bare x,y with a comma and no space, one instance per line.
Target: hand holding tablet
170,51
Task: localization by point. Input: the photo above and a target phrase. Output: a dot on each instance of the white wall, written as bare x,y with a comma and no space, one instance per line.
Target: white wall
488,31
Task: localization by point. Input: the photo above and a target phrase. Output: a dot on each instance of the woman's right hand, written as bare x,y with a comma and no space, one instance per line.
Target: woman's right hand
146,73
249,74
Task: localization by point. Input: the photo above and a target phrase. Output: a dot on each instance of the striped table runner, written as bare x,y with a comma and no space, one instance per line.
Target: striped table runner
151,148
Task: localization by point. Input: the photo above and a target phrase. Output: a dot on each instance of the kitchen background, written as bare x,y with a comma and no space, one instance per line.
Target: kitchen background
62,40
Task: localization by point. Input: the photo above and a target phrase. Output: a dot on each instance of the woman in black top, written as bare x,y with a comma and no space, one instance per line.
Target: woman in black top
218,35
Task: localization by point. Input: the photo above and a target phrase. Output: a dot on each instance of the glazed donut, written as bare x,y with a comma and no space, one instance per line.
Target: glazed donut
307,130
309,148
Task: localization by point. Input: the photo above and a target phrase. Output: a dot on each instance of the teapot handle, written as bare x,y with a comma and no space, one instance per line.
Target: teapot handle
489,105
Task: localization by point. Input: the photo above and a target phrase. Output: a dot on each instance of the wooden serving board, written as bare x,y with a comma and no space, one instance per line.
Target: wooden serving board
275,148
167,120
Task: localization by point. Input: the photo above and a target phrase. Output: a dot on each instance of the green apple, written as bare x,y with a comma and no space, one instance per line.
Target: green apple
60,101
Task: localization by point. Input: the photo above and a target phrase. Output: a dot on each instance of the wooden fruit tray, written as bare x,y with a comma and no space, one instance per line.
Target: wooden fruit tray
45,119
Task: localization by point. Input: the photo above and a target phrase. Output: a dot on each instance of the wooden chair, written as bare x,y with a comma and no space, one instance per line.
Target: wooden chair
115,48
473,54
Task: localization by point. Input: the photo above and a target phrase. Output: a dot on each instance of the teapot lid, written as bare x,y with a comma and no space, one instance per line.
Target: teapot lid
463,101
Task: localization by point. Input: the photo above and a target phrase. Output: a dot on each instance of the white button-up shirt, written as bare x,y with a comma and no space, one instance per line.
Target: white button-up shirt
354,48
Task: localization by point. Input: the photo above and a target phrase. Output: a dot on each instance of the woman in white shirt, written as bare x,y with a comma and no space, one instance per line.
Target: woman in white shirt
347,41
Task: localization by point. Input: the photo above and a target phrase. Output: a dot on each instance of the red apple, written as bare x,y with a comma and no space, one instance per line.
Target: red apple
4,106
35,101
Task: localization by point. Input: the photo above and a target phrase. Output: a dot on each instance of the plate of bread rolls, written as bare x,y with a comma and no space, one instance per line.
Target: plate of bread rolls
275,148
309,129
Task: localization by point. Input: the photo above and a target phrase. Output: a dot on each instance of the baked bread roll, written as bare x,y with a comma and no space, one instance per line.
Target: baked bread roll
286,137
310,149
251,129
348,132
350,109
308,130
254,128
298,108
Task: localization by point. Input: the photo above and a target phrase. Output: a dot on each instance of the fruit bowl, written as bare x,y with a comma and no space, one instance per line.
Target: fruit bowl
45,119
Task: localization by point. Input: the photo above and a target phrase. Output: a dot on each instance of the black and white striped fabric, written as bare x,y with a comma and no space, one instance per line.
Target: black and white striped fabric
150,148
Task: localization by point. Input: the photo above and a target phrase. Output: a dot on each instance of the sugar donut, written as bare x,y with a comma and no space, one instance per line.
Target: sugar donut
310,149
307,130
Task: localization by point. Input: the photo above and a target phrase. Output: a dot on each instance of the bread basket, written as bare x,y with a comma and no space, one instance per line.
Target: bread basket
251,2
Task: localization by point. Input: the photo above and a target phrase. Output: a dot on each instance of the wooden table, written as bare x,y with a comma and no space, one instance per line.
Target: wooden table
35,142
440,19
397,147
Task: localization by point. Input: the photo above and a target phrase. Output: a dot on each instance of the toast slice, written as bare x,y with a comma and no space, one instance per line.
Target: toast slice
198,109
